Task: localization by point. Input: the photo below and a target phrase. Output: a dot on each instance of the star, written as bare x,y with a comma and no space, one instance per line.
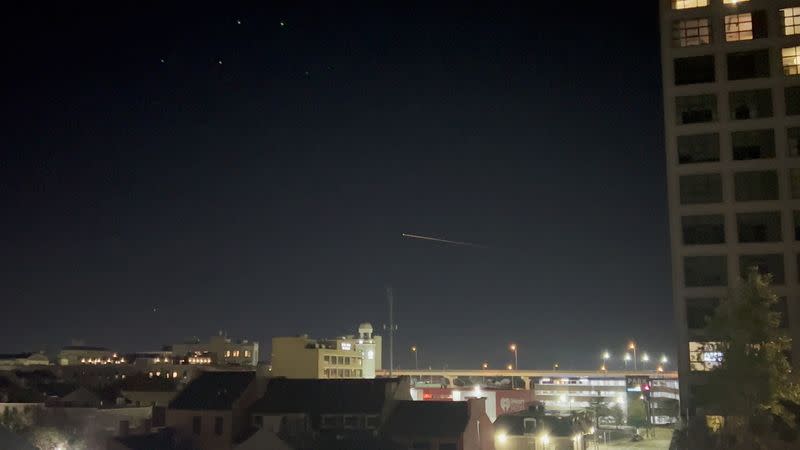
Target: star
163,60
219,62
238,21
283,24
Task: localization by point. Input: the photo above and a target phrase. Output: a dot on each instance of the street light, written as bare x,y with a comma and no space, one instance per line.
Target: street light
485,365
627,359
645,360
510,367
664,360
513,348
632,346
555,367
416,360
606,356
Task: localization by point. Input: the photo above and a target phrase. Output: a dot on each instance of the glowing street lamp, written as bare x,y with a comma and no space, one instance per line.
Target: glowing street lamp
416,360
632,346
513,348
664,360
511,367
555,366
485,365
627,359
645,360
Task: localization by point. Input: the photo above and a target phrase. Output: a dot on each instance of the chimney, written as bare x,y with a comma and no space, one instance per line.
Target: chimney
124,427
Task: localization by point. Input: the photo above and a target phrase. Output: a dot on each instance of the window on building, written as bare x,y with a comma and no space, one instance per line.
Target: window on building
448,446
704,356
755,104
421,445
694,69
759,226
196,425
733,2
351,422
698,310
247,353
700,271
794,182
692,32
340,360
688,4
529,425
792,97
790,21
347,360
706,229
756,185
696,109
347,373
796,215
326,358
702,188
373,421
790,59
331,421
746,26
236,354
227,353
770,263
752,64
218,422
698,148
793,142
753,144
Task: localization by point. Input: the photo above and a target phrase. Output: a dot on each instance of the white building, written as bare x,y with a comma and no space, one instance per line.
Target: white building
219,350
731,77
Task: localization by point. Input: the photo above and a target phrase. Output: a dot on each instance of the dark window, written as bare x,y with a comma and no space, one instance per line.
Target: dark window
696,109
351,422
753,64
698,230
421,445
698,310
753,144
447,446
694,69
218,425
756,185
698,148
755,104
759,226
691,32
196,425
703,188
796,215
699,271
373,421
771,263
793,140
792,95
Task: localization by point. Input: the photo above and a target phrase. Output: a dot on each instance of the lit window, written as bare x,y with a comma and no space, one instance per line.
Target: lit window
739,27
688,4
247,353
790,57
688,33
227,353
790,17
704,356
236,354
733,2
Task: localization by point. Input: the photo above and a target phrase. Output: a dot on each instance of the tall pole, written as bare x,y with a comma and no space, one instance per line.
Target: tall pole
390,297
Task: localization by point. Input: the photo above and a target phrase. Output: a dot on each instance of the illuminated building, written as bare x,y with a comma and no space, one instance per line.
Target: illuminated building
82,354
732,128
219,350
345,357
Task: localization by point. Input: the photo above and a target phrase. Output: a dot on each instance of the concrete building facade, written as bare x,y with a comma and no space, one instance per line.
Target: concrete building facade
732,130
357,356
219,350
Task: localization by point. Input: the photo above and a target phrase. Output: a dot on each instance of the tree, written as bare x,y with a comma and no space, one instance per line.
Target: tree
753,379
617,413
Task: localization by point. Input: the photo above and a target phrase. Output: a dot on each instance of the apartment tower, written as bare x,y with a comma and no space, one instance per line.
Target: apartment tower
731,76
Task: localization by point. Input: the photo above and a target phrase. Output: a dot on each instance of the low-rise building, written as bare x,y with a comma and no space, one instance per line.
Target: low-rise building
218,350
351,356
212,411
82,354
16,360
440,425
532,429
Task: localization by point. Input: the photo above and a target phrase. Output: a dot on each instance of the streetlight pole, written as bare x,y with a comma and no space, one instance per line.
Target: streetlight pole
416,360
645,360
513,348
626,358
632,346
606,355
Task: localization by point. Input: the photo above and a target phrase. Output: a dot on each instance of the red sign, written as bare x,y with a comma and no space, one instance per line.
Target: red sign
513,401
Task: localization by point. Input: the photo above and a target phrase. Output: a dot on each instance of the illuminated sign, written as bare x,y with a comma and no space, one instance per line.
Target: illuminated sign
634,384
347,346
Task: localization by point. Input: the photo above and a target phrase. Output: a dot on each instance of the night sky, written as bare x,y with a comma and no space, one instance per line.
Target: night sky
172,171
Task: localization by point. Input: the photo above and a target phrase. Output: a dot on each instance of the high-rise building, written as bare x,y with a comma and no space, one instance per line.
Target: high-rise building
731,77
345,357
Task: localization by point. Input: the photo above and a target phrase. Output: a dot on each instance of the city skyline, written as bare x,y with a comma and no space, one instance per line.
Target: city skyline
254,171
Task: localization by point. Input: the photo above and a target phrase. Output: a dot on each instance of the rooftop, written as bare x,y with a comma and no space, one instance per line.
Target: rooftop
427,419
213,391
324,396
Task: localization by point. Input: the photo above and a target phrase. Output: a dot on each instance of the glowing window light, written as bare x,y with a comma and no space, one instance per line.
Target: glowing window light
688,4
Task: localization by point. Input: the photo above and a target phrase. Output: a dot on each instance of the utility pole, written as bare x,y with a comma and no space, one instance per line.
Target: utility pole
390,298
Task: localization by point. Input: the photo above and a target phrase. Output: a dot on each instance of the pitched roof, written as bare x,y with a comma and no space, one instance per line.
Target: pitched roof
213,391
427,419
15,355
324,396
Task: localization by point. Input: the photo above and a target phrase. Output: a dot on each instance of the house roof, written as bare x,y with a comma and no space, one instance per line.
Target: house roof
357,396
213,391
427,419
16,355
